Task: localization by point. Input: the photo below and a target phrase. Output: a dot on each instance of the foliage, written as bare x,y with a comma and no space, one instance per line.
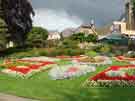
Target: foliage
130,54
67,43
44,52
133,2
78,37
110,84
17,16
131,44
91,38
91,53
105,49
84,37
37,37
130,72
3,38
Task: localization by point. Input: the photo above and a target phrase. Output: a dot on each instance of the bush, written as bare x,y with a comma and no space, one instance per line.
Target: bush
84,37
105,49
91,53
37,37
91,38
79,37
67,43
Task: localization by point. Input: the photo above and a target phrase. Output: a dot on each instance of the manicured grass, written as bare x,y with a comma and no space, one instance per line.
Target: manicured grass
41,87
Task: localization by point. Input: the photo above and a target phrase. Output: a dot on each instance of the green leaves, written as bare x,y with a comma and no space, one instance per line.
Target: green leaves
37,37
83,37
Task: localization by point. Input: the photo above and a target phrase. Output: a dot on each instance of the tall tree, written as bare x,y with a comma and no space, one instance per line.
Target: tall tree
17,15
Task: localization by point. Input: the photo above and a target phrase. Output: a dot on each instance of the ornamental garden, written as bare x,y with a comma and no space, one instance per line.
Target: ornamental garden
54,72
81,64
63,69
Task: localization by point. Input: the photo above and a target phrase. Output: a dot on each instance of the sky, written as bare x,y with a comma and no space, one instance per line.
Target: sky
61,14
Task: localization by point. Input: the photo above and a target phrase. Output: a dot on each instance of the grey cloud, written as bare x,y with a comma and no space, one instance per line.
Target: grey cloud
103,11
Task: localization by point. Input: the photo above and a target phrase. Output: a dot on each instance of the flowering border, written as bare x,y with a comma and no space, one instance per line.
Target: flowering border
109,83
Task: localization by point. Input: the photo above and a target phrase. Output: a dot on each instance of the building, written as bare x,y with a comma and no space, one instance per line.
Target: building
126,27
68,32
114,38
54,35
87,29
122,28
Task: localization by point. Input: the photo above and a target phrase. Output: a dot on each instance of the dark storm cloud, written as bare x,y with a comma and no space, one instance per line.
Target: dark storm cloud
103,11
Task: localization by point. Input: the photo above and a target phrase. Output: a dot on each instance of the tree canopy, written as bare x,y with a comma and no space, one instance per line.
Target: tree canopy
37,37
17,16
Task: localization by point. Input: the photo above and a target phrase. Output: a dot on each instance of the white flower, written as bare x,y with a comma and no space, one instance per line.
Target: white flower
67,71
112,73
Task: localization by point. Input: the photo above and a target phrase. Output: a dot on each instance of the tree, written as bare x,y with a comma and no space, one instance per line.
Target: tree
82,37
133,2
3,37
78,37
91,38
37,37
17,16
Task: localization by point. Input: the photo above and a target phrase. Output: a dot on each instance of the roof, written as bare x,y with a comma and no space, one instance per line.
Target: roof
52,32
114,35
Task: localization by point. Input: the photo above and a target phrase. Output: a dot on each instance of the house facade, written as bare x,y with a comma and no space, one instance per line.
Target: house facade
54,35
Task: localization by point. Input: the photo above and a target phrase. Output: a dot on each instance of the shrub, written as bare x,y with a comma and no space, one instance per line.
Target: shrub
91,38
91,53
84,37
79,37
67,43
105,49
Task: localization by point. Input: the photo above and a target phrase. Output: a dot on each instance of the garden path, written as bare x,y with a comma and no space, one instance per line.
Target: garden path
7,97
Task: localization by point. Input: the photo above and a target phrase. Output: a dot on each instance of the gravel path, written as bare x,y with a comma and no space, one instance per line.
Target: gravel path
6,97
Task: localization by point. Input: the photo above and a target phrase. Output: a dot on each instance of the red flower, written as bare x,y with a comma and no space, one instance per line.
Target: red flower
34,66
47,63
21,70
120,57
103,76
72,69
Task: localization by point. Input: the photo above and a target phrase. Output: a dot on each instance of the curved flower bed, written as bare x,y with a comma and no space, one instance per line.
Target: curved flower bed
69,71
39,59
123,58
98,60
114,76
71,57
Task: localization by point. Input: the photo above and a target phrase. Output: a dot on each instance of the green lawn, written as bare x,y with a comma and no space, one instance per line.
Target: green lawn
41,87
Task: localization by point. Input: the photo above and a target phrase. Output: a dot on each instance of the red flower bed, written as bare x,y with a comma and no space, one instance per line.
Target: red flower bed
103,75
26,67
21,70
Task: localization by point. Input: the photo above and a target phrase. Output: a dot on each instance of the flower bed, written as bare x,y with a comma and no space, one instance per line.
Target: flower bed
39,59
69,71
98,60
25,68
114,76
62,67
123,58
